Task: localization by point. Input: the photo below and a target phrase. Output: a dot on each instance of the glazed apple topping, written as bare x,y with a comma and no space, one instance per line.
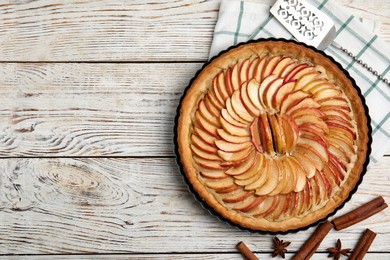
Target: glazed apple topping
273,137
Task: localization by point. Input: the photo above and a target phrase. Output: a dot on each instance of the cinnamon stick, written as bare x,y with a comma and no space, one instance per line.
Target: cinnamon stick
363,245
246,252
311,245
363,212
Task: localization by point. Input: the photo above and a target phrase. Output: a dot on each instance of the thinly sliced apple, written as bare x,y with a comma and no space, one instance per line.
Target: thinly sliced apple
197,141
207,164
263,86
290,76
305,103
298,203
342,132
231,147
231,138
205,113
269,214
248,176
310,120
338,120
254,202
331,175
317,161
204,155
253,94
339,153
309,195
234,77
338,112
232,113
216,92
222,89
213,174
269,67
320,86
239,108
236,196
342,144
287,70
232,129
291,175
214,101
255,135
315,146
287,204
206,137
280,94
315,82
252,67
228,82
316,191
244,166
305,79
301,73
277,134
272,180
338,102
327,93
205,125
223,184
244,70
291,131
281,65
210,107
227,116
270,91
282,179
246,101
258,75
267,203
328,187
307,111
265,134
300,174
307,164
260,179
235,156
292,99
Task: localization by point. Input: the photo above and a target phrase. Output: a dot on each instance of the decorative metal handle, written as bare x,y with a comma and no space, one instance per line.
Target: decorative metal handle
365,65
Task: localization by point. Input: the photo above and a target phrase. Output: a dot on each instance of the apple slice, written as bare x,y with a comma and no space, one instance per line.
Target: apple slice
342,144
307,111
253,94
326,93
307,164
315,191
339,153
235,156
270,91
231,138
244,70
228,82
302,72
232,129
205,113
252,67
203,123
337,112
255,135
254,172
338,120
205,136
263,86
265,134
235,196
281,65
231,147
207,164
272,180
289,76
282,179
198,142
287,70
317,161
342,132
331,175
234,77
244,166
258,75
318,87
227,116
210,107
220,185
239,108
216,92
305,79
232,113
277,134
257,180
312,121
213,174
222,89
338,102
300,174
214,101
290,171
246,101
315,146
312,84
292,99
267,203
269,67
305,103
250,204
328,187
269,214
291,132
298,203
280,94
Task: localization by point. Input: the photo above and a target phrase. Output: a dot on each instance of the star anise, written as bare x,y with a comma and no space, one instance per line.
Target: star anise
280,247
336,252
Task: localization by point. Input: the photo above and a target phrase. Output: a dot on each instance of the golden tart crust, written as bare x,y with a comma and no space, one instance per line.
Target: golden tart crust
272,135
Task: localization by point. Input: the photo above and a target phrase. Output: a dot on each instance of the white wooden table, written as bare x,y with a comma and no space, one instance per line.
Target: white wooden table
88,95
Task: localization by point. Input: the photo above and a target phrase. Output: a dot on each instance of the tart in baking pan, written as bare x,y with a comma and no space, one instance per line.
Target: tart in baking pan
272,135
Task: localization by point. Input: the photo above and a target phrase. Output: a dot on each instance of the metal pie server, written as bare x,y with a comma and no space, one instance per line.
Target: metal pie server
311,26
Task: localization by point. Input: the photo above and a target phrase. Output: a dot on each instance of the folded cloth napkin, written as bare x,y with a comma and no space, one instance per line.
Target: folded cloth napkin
240,21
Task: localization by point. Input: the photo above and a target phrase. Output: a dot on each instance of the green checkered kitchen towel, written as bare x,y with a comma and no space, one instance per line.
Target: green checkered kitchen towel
240,21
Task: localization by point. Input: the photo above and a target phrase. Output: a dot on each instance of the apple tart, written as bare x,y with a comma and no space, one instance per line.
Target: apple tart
272,135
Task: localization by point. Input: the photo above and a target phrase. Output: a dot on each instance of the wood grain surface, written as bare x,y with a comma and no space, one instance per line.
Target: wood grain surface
88,96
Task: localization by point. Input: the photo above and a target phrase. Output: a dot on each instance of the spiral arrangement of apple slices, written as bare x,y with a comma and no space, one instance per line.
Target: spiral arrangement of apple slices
273,137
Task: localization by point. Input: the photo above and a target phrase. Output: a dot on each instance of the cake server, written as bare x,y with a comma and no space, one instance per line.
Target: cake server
311,26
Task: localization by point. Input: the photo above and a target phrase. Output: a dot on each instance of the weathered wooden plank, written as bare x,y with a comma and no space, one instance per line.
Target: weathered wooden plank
90,109
65,206
114,30
230,256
